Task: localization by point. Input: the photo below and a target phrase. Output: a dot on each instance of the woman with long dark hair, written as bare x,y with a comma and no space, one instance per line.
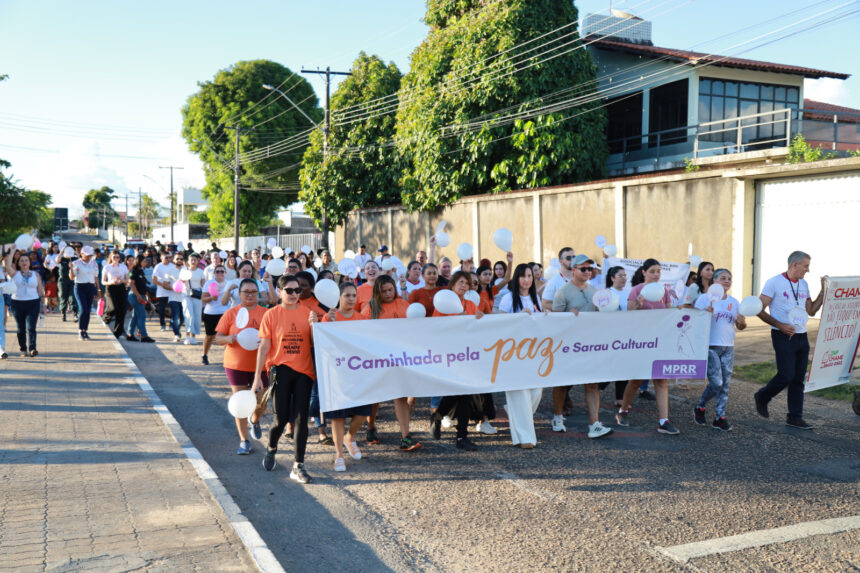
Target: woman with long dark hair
485,289
26,300
704,280
137,301
115,279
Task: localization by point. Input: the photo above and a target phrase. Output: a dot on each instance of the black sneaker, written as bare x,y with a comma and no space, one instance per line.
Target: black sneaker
147,339
798,422
699,415
371,437
668,427
205,360
647,395
86,335
34,353
131,338
466,444
436,427
269,460
64,317
299,474
4,356
407,444
761,405
722,424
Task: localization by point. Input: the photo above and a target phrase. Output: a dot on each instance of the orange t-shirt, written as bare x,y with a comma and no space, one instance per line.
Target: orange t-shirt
311,303
425,297
362,296
290,333
236,357
341,318
486,305
468,308
395,309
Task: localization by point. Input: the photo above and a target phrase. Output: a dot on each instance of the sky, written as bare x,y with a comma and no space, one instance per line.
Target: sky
95,88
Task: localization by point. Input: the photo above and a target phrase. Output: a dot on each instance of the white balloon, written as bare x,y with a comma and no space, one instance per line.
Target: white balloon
606,300
306,249
353,274
277,252
550,272
473,296
346,266
442,239
276,267
242,404
242,318
610,250
695,261
398,264
8,287
750,306
690,250
313,273
600,241
68,252
288,250
715,293
317,262
387,264
349,254
653,292
327,292
441,226
62,245
248,338
185,275
797,316
272,243
180,246
24,242
446,301
464,251
222,254
416,310
503,239
555,263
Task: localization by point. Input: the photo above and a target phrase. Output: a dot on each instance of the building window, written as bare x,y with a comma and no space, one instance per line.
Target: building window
624,129
721,100
668,111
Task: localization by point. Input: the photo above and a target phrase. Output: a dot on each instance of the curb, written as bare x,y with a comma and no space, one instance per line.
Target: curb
259,551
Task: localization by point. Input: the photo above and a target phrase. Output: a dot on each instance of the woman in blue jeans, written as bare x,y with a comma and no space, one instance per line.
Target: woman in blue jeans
3,355
137,301
27,300
85,272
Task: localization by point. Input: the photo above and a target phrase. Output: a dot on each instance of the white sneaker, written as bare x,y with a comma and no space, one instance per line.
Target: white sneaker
597,430
339,465
193,341
177,339
484,427
447,422
187,341
558,424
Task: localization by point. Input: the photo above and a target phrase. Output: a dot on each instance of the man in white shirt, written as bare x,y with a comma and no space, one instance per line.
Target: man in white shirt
565,275
209,271
361,259
383,250
790,305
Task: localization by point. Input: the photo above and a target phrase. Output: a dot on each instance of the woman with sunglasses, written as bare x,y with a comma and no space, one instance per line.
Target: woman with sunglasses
27,299
115,279
385,304
240,364
286,340
309,300
647,274
345,311
192,299
214,309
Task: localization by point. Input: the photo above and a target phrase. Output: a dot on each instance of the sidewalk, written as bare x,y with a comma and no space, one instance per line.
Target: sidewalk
90,477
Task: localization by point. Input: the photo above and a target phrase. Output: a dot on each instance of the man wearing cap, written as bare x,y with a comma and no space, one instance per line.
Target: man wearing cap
575,296
67,285
383,250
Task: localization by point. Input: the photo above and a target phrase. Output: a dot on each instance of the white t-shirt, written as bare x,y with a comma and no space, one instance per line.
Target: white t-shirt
553,285
723,319
783,292
27,287
214,306
263,287
198,277
85,272
170,274
507,303
411,287
209,272
111,273
230,274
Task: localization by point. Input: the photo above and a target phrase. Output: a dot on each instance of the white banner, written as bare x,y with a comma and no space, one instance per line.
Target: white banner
672,274
836,345
368,361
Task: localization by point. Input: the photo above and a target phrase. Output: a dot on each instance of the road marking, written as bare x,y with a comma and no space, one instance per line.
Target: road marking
250,537
688,551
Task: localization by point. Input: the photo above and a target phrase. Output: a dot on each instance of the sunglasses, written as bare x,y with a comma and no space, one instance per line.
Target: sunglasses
292,290
221,271
570,258
586,269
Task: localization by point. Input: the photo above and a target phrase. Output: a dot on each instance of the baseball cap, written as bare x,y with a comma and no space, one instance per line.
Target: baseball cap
383,248
88,251
580,259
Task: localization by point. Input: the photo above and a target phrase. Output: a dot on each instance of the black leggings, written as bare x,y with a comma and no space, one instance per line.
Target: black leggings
462,406
115,307
290,402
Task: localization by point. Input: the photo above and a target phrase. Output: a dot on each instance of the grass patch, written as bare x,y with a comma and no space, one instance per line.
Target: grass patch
762,372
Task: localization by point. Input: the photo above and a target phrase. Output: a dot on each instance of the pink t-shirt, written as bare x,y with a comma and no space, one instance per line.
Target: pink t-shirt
647,304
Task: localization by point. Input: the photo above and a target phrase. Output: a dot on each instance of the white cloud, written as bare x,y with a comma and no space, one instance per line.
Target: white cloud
828,90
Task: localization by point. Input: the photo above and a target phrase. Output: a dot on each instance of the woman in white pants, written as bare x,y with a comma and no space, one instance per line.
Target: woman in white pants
192,303
522,404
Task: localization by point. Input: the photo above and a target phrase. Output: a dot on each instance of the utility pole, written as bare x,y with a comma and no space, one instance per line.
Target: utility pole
140,212
171,167
236,192
328,73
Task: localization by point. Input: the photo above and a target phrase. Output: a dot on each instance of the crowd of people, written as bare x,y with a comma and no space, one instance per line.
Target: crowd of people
211,297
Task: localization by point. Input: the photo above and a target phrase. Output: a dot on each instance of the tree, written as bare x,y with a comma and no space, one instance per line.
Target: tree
23,210
236,97
468,120
147,213
97,203
359,171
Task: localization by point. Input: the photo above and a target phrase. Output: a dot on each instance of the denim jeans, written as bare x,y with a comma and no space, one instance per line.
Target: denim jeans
138,316
314,408
193,314
27,316
792,356
84,294
175,316
2,324
721,362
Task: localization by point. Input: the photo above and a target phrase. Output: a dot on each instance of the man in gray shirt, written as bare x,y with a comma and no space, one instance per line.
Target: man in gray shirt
575,296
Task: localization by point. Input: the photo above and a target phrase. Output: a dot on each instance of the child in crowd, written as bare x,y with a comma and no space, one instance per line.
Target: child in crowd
51,299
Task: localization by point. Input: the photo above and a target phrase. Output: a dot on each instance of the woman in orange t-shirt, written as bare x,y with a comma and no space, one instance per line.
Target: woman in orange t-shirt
238,362
485,289
345,312
385,304
286,340
425,294
309,300
365,291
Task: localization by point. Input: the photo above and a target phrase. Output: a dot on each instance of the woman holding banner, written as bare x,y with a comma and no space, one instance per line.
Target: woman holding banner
346,311
522,404
616,281
645,275
384,303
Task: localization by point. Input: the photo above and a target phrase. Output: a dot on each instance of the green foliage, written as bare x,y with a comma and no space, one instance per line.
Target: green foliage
197,217
97,203
22,210
231,98
689,166
147,213
457,77
133,229
762,372
801,152
359,172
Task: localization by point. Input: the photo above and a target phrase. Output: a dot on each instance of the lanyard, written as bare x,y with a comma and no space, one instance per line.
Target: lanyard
793,292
